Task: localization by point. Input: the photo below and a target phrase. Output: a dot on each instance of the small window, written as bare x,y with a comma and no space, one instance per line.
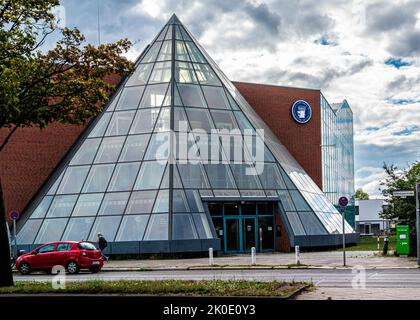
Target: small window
114,203
130,98
120,123
134,148
216,97
109,150
199,119
191,95
154,96
86,246
161,72
141,202
63,247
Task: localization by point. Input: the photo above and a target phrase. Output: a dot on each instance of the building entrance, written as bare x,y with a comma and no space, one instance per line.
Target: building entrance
241,226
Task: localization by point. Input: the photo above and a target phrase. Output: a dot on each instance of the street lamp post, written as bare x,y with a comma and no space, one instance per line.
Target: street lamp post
418,221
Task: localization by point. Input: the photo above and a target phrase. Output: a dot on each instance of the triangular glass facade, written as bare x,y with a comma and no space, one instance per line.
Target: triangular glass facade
165,145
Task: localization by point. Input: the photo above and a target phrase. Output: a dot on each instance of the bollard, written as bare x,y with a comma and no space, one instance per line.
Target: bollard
297,255
253,256
378,244
211,261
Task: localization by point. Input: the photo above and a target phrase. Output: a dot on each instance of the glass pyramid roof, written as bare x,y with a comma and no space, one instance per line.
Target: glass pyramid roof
176,133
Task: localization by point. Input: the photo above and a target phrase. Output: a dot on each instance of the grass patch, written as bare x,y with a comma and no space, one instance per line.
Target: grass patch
369,243
161,287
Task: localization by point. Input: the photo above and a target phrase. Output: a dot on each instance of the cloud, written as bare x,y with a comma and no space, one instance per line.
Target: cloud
406,44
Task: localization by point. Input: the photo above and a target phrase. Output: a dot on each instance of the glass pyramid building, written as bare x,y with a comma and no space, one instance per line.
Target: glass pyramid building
176,142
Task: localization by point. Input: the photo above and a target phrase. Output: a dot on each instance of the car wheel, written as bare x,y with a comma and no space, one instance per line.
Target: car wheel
24,268
95,269
72,267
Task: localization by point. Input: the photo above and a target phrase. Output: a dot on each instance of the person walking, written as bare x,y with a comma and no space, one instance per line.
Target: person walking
103,244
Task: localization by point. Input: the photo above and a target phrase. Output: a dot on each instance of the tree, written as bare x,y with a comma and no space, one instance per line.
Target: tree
65,84
403,209
361,195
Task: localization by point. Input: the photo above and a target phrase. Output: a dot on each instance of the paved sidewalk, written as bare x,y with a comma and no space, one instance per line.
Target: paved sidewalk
361,294
330,259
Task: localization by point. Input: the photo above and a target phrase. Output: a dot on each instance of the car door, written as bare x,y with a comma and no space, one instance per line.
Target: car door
60,256
42,258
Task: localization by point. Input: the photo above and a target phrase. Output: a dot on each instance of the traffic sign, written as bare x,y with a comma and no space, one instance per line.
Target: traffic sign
343,201
14,215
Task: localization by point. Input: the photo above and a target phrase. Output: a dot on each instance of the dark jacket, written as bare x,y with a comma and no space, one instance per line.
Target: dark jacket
102,243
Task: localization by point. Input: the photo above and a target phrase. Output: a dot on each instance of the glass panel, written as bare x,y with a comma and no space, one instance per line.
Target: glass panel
165,180
109,150
165,52
271,177
42,208
98,178
111,106
205,75
245,176
184,34
244,124
114,203
183,227
88,204
181,51
158,147
152,53
193,176
295,223
202,225
164,120
28,232
108,226
150,175
191,95
215,97
162,34
144,121
154,96
286,200
132,228
169,33
54,187
78,229
157,228
124,176
51,230
220,176
180,120
141,202
179,201
195,54
194,201
100,126
161,72
62,206
134,148
300,203
311,224
185,73
120,123
86,153
178,35
140,75
199,119
130,98
224,120
162,202
73,180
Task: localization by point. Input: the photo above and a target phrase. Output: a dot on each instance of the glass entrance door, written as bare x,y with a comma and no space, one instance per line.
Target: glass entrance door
249,233
232,235
266,233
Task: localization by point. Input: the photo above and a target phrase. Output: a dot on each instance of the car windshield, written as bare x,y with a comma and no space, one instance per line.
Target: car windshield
86,246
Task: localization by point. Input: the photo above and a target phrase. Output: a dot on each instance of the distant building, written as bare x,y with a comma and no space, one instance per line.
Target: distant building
368,220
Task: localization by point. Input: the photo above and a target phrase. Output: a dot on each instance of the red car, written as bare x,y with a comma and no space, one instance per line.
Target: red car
70,254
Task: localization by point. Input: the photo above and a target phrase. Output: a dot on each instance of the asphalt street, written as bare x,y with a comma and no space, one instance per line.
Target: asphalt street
338,278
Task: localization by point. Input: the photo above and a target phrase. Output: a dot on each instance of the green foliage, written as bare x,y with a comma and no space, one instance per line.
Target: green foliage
163,287
65,84
361,195
402,208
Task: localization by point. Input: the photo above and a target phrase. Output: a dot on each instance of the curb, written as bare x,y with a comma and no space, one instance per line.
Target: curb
297,292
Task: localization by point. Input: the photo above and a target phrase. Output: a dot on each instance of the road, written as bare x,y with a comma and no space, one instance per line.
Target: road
338,278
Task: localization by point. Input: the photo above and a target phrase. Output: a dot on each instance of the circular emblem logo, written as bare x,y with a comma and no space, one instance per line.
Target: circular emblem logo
301,111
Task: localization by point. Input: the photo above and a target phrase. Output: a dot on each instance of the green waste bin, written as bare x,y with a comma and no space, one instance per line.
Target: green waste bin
403,239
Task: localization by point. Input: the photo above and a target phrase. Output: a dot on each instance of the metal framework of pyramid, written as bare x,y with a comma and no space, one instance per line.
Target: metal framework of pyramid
120,181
